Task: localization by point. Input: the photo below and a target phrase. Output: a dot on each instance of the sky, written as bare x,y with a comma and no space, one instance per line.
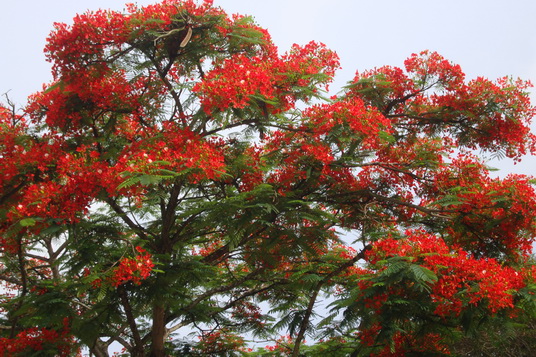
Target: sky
488,38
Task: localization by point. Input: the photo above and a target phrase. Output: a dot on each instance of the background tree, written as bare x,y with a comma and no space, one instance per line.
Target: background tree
181,176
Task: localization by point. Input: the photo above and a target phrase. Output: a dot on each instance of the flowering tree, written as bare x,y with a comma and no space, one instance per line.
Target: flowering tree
180,177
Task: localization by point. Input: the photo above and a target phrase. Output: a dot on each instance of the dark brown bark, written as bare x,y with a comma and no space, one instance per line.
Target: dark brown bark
158,331
138,347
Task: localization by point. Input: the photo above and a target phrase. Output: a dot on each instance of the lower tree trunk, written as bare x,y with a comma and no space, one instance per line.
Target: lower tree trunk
158,332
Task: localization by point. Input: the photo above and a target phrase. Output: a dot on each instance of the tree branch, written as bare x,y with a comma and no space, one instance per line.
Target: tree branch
138,347
135,227
305,321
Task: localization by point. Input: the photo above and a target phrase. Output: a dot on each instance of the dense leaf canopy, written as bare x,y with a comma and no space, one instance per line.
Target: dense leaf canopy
183,188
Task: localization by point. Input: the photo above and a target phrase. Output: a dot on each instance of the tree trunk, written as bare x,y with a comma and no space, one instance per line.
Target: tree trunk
158,331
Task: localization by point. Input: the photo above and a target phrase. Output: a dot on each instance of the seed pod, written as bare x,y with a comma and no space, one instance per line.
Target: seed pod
186,38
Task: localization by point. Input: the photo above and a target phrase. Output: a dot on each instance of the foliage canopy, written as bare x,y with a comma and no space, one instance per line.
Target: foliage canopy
182,188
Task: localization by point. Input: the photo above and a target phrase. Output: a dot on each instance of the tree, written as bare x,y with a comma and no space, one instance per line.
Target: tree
180,176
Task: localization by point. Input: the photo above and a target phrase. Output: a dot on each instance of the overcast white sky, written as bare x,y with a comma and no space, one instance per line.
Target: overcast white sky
490,38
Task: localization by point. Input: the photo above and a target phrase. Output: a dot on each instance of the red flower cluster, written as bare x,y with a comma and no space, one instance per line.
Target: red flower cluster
248,312
405,344
462,280
234,82
359,121
172,148
38,339
219,342
282,345
58,185
133,269
268,83
91,36
432,94
496,216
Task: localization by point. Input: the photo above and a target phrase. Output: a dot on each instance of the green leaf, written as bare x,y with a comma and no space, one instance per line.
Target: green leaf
394,268
52,229
58,84
147,180
386,137
500,199
423,273
449,200
27,222
313,278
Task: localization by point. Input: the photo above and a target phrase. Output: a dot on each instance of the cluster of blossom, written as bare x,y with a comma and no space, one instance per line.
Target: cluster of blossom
68,182
14,151
176,149
209,247
247,312
89,38
360,121
403,343
37,339
350,118
462,280
256,81
282,345
78,178
77,101
494,213
133,269
220,342
481,113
